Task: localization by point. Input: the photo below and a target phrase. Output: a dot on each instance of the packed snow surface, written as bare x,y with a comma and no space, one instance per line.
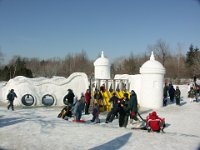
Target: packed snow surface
38,128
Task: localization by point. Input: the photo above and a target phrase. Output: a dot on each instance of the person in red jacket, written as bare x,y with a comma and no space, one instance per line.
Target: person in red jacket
87,101
155,123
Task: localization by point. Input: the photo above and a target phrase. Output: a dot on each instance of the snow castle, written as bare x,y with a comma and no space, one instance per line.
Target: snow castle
148,84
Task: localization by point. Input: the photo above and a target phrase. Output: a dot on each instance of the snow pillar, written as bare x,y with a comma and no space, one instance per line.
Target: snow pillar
152,76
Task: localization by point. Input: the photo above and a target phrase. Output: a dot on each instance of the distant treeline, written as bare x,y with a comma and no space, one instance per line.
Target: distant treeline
177,65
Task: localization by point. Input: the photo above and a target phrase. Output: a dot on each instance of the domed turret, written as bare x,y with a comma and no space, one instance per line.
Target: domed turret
102,68
152,76
152,66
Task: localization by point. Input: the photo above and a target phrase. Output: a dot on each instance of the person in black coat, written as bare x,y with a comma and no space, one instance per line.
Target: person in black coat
124,111
10,97
115,109
69,98
165,94
171,92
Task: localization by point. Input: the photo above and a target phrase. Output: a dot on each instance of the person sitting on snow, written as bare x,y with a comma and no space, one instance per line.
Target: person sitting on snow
154,123
65,113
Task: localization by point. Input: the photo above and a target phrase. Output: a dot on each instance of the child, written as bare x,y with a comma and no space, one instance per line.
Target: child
95,113
192,94
65,113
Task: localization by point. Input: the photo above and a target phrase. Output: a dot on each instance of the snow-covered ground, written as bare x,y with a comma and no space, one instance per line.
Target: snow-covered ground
38,128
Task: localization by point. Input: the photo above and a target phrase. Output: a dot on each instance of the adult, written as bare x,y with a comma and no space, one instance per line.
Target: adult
69,98
195,79
165,94
10,97
171,92
115,109
133,105
124,111
177,95
87,101
78,108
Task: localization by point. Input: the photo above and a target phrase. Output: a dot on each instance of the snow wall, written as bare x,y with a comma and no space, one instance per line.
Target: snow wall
134,82
37,88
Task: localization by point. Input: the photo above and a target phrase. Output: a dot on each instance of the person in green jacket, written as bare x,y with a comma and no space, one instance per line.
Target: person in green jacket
133,105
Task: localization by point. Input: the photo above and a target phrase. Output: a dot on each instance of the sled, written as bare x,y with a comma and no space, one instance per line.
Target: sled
79,121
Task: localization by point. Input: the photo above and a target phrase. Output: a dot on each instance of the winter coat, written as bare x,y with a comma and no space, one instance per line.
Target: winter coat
177,94
98,95
70,97
95,110
133,103
154,122
87,97
192,93
114,99
78,108
165,90
171,91
11,96
124,107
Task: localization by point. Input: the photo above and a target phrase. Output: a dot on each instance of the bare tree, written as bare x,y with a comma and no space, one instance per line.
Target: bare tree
161,50
197,64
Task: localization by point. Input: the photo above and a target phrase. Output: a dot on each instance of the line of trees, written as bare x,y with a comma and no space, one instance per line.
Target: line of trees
177,65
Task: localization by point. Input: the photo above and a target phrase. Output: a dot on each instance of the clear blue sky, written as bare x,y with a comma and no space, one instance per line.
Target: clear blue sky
54,28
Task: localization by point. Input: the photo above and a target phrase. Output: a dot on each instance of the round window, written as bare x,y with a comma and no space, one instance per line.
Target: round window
47,100
28,100
65,100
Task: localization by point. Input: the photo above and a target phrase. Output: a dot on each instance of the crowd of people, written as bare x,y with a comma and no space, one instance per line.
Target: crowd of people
122,108
175,94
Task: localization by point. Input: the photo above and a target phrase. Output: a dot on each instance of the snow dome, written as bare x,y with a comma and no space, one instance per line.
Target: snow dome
152,66
152,76
102,68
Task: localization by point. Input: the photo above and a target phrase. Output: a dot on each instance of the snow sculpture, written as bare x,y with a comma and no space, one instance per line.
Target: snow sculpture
44,91
152,76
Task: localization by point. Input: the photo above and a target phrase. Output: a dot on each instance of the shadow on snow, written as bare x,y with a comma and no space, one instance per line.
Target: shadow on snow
10,121
116,143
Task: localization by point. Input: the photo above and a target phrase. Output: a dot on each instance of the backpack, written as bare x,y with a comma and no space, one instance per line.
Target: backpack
9,96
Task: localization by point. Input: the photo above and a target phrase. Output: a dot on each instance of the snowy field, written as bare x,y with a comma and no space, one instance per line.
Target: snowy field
38,128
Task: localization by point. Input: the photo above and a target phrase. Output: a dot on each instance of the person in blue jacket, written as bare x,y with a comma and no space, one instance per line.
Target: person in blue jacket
10,97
